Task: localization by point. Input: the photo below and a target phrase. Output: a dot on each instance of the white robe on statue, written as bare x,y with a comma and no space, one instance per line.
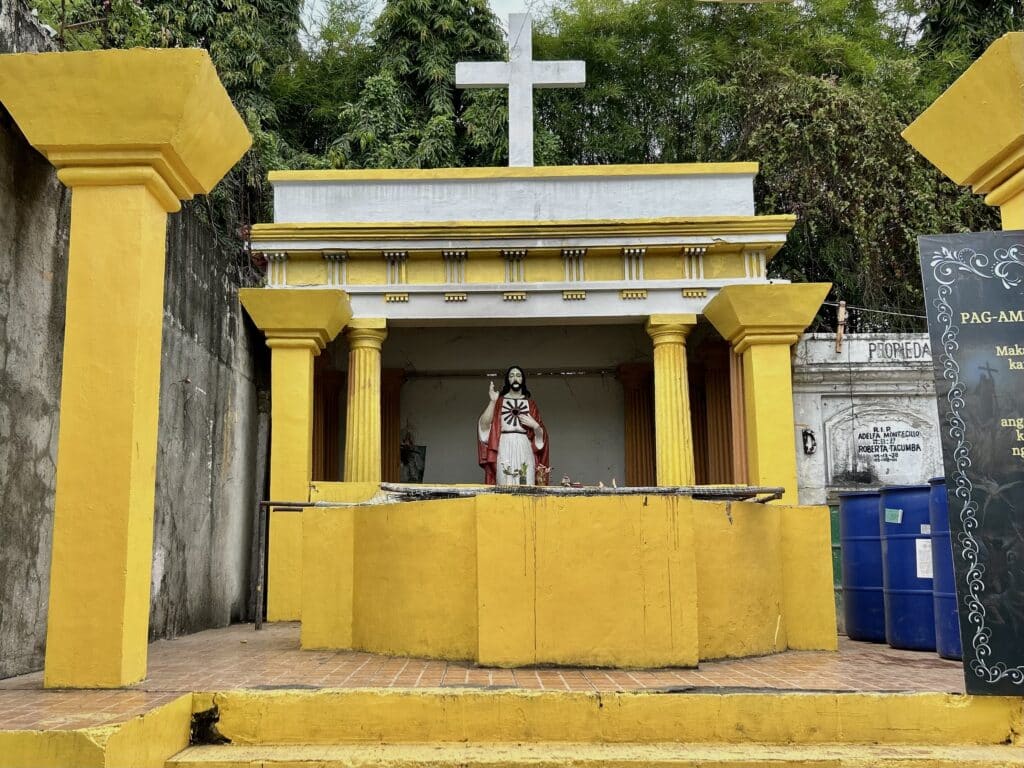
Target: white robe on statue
514,449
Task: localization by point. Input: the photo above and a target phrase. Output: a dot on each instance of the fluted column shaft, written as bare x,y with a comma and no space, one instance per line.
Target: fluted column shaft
719,422
391,427
672,424
639,426
363,424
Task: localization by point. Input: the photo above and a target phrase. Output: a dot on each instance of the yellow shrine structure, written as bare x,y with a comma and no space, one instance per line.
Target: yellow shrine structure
672,258
389,290
652,281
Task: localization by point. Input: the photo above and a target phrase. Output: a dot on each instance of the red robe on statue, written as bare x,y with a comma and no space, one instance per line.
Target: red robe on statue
487,453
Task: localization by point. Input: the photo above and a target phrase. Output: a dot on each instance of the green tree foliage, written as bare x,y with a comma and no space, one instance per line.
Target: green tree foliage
832,155
967,26
686,58
409,114
817,93
325,73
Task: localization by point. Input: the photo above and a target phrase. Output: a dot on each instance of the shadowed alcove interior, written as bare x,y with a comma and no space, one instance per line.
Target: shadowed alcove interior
592,384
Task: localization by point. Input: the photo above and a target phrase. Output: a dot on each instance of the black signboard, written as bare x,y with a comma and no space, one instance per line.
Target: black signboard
974,292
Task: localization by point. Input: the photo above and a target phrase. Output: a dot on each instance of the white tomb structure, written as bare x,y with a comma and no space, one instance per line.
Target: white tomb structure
866,414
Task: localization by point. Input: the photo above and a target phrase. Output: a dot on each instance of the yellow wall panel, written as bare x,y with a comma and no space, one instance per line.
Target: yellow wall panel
605,265
739,579
663,266
367,270
307,271
415,579
425,268
328,582
625,581
507,579
486,267
722,265
810,615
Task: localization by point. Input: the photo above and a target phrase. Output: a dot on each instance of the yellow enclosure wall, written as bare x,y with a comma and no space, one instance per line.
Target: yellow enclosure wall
629,581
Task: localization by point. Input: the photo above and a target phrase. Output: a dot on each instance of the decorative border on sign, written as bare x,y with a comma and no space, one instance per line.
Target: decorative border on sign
1007,266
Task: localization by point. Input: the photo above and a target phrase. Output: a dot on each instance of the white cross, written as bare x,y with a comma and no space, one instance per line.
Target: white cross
520,74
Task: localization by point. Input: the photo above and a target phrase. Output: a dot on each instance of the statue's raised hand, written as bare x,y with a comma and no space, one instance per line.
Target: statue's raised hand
492,393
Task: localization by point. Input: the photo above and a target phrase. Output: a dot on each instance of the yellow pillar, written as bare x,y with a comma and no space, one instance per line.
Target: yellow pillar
762,322
298,324
363,421
132,133
986,106
673,432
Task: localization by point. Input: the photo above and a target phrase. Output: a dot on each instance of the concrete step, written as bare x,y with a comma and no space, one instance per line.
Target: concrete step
428,716
575,755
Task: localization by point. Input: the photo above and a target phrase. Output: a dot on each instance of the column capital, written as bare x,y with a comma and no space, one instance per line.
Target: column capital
772,313
158,119
670,329
367,333
984,103
295,317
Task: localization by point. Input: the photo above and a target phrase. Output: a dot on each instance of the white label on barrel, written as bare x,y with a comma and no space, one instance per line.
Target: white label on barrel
894,516
924,558
926,529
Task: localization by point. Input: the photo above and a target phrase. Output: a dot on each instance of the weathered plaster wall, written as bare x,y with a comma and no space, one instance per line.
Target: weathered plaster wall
205,470
34,209
204,494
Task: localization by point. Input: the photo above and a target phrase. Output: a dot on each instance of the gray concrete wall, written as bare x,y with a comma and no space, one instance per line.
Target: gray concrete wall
34,210
206,453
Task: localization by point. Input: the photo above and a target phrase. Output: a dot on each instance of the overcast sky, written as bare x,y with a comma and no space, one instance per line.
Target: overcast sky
504,7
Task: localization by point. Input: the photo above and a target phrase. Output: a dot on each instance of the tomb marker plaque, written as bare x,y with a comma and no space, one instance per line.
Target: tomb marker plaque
974,292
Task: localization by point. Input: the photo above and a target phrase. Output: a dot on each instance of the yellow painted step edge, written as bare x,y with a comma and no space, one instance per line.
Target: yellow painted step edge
550,755
444,715
144,741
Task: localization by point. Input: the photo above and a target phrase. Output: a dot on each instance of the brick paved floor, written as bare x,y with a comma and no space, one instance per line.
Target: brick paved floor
238,657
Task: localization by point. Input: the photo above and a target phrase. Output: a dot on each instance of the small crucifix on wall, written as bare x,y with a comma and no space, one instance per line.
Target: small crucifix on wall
520,74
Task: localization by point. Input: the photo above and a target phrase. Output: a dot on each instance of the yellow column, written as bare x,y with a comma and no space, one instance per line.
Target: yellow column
363,422
985,106
298,324
762,322
673,433
129,134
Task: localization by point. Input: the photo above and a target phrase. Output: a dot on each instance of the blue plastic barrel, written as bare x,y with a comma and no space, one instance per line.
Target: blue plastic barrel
861,548
905,525
947,623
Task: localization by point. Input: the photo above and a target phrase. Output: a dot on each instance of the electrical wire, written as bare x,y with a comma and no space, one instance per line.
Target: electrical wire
876,311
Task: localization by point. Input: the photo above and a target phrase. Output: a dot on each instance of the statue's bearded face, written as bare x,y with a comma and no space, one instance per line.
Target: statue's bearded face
515,379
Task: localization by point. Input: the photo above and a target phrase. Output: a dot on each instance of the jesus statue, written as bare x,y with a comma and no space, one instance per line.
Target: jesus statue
511,435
